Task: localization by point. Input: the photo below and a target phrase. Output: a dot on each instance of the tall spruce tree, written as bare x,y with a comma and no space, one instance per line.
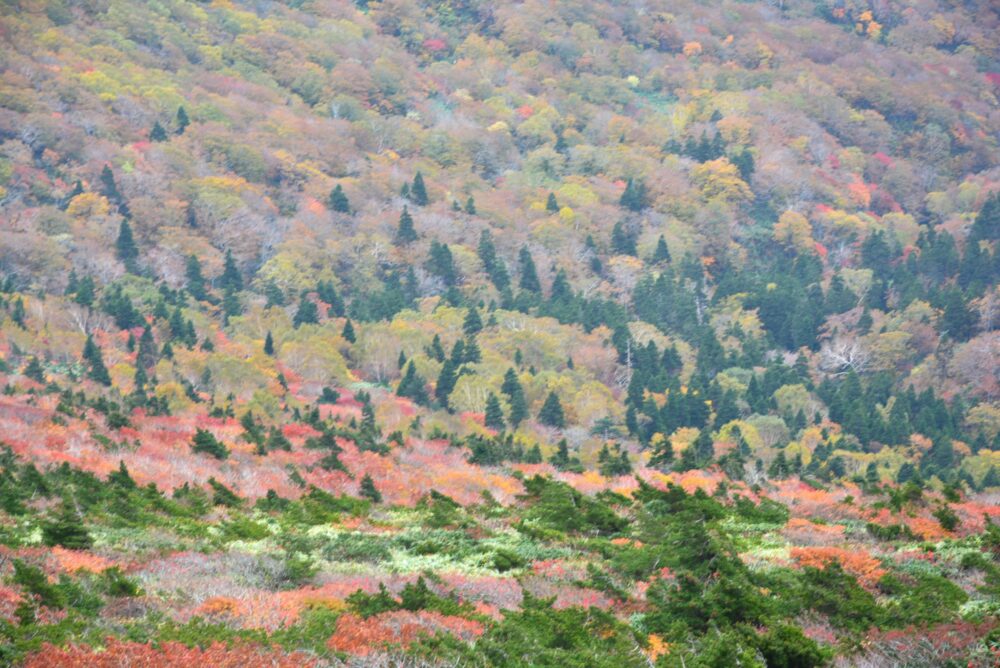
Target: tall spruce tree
338,200
413,385
418,191
551,414
125,248
204,442
97,372
66,529
157,134
195,279
551,204
494,413
367,490
446,381
231,278
405,233
662,252
529,275
181,121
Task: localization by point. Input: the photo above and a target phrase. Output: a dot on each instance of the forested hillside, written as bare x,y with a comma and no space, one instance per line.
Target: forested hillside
548,333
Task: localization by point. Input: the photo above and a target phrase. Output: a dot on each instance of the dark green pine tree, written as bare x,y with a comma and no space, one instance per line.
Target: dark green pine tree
551,204
511,384
473,324
147,348
181,121
957,319
33,370
987,223
622,240
338,200
779,467
470,206
441,263
95,360
121,478
472,352
436,350
231,305
634,196
65,529
551,414
662,455
518,408
367,490
405,233
704,448
688,460
307,312
231,278
125,248
515,397
494,413
157,134
561,458
108,186
86,292
204,442
418,191
662,252
269,344
348,332
328,293
195,280
529,275
413,385
446,382
17,313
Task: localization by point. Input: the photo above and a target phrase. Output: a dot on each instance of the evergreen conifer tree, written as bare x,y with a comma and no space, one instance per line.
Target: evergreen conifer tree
552,412
181,121
338,200
125,248
446,382
205,442
405,234
92,355
307,312
529,275
195,280
551,204
662,252
494,413
348,332
472,324
369,491
157,134
66,529
413,385
231,278
418,192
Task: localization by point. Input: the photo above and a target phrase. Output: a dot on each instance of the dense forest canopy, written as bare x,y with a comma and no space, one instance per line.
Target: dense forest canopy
548,333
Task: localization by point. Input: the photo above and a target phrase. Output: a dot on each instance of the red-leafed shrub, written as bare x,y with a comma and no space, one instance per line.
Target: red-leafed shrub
355,635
